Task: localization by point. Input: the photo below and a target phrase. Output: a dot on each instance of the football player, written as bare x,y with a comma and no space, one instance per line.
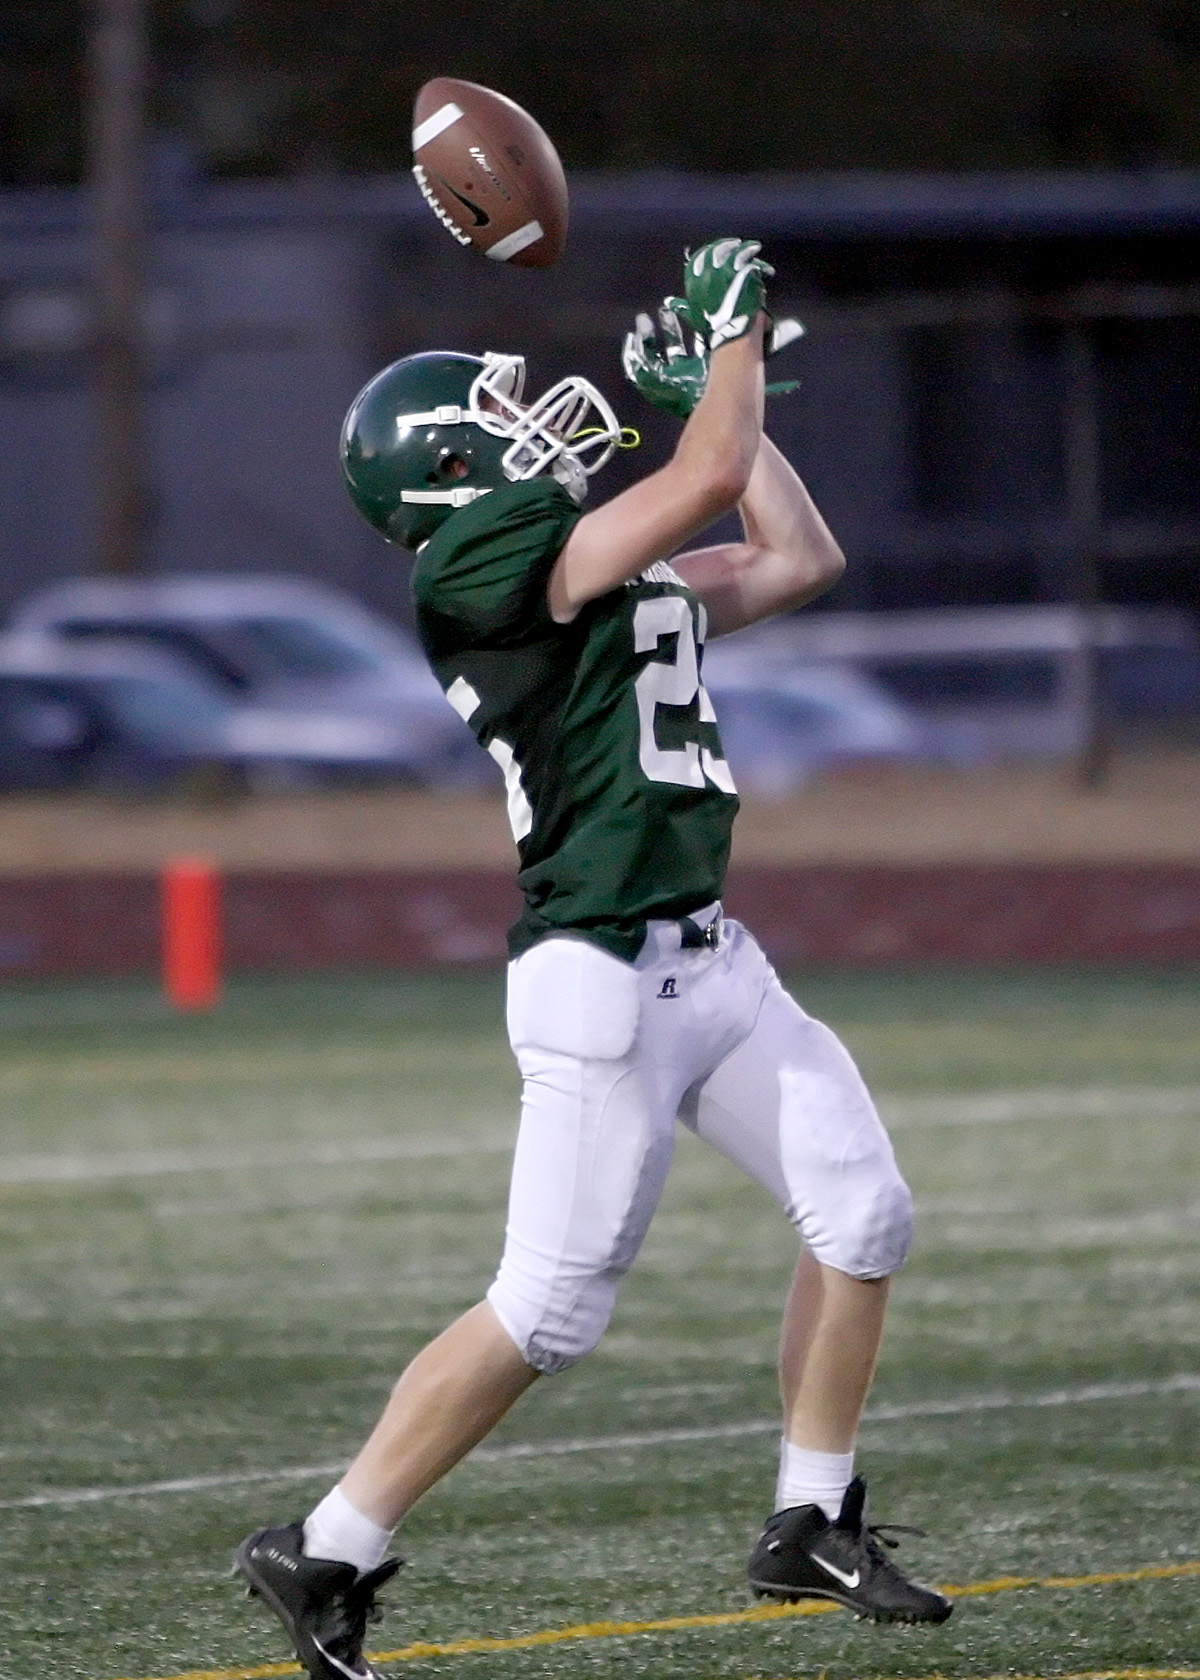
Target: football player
571,644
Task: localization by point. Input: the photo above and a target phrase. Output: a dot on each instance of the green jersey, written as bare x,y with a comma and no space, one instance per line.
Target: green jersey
619,796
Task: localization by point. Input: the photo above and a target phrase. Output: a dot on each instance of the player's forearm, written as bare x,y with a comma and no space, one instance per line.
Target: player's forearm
800,558
788,555
720,443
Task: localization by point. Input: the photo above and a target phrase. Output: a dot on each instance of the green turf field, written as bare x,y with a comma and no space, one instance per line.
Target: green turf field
221,1237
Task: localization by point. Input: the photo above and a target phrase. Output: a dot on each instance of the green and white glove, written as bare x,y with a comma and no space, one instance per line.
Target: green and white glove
672,376
664,370
723,281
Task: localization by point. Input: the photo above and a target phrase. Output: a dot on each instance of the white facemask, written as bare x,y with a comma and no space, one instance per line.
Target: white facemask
570,430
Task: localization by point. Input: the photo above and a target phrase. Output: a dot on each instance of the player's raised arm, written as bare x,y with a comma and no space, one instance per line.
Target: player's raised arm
713,464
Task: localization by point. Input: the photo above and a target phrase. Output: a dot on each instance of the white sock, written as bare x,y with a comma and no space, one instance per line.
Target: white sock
812,1478
338,1531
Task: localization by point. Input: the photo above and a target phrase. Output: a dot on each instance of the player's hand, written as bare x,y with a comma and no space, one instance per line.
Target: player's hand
665,370
672,376
723,281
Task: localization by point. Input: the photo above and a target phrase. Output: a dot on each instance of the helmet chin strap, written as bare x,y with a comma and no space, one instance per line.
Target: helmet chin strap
449,414
462,495
570,474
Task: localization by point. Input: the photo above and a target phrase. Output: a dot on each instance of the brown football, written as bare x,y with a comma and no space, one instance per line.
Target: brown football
489,173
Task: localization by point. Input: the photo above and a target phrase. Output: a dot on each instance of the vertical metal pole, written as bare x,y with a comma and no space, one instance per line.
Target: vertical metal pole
118,64
1083,539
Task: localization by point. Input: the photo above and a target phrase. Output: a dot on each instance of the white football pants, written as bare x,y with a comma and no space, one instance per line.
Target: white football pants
611,1054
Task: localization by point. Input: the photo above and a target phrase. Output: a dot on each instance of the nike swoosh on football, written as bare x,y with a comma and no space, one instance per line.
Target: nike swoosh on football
481,216
850,1580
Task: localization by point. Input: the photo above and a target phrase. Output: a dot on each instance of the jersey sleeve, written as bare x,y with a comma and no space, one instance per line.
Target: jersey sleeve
488,566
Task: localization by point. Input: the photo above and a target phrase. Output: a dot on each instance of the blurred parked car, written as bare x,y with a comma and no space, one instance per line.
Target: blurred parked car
990,684
784,719
311,688
113,717
283,650
101,721
291,646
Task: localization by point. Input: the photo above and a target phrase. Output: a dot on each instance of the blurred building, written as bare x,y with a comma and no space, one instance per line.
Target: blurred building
1000,385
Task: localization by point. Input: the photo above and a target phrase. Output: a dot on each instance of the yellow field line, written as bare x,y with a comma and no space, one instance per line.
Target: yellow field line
1091,1674
768,1613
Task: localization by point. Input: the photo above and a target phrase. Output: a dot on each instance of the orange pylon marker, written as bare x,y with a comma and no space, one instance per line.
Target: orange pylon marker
191,932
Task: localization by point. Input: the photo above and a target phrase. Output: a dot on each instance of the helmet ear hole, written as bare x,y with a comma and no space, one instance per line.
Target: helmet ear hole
450,466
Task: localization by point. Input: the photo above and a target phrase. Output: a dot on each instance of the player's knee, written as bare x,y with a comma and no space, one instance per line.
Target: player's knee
552,1338
886,1233
873,1231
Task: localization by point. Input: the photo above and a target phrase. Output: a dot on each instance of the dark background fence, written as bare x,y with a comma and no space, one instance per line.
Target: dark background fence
1001,374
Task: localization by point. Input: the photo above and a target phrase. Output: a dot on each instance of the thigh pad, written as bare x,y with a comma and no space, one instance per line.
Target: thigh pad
572,997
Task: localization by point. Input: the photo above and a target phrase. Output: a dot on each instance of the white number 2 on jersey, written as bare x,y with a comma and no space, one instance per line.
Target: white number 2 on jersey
673,683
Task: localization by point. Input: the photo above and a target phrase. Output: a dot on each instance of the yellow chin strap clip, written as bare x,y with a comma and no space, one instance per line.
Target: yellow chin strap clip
630,437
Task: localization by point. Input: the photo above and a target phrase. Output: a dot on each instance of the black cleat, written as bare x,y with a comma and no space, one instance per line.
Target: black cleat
324,1606
801,1554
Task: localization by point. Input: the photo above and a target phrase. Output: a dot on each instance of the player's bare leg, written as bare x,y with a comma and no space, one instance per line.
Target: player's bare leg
320,1576
818,1543
832,1328
455,1391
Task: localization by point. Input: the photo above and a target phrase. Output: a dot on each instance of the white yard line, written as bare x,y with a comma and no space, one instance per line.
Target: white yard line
1185,1383
1095,1102
987,1108
1045,1228
156,1163
247,1066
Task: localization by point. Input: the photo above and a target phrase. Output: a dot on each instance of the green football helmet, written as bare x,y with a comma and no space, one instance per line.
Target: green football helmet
434,432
